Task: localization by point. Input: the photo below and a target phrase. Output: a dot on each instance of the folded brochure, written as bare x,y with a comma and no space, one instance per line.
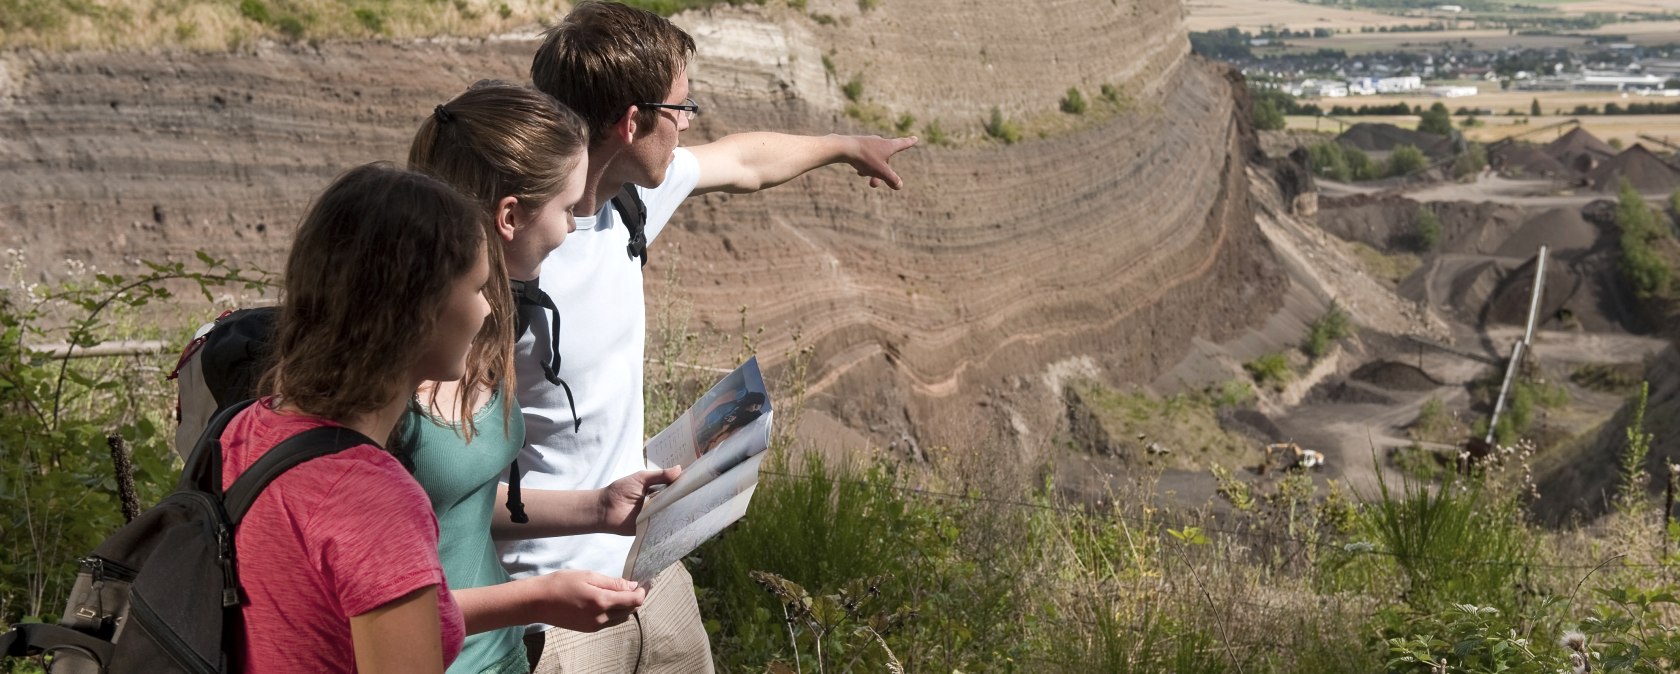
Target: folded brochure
720,443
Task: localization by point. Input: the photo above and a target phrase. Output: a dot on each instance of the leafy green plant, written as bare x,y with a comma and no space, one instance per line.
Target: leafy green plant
1435,424
906,121
1324,331
839,627
1331,160
1465,638
1002,128
1436,120
1631,494
1640,264
1267,116
1270,370
853,88
1074,102
65,422
254,10
1452,542
1110,93
1470,162
1406,160
1426,230
370,19
935,134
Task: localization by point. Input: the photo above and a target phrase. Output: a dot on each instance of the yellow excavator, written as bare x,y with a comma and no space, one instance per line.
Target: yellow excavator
1290,456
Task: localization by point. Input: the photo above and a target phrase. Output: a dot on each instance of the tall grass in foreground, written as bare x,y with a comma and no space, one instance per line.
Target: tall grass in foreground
983,576
961,571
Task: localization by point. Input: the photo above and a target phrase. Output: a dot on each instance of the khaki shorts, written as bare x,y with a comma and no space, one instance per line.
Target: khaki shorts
664,636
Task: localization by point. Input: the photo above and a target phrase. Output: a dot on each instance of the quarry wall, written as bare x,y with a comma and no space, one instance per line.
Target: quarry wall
936,314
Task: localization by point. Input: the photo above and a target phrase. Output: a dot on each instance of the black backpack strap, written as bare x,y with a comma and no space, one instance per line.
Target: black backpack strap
515,504
203,470
315,442
634,214
31,639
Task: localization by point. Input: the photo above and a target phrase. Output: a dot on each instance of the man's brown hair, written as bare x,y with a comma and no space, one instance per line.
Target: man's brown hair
369,272
605,57
498,140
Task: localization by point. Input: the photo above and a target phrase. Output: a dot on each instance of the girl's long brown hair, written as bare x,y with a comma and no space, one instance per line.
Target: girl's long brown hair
370,269
494,141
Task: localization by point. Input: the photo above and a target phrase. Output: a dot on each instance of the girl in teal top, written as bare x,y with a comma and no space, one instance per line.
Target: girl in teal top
521,155
460,479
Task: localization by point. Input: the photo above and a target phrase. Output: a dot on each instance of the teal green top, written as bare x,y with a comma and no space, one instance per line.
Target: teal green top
460,478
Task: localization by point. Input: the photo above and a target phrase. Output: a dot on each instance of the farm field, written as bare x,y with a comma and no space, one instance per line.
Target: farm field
1625,128
1253,15
1638,32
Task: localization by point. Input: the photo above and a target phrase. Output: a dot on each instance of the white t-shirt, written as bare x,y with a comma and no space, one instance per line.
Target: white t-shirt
597,287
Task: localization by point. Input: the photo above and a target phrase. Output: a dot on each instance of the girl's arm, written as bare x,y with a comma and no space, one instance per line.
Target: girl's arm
581,601
401,636
611,509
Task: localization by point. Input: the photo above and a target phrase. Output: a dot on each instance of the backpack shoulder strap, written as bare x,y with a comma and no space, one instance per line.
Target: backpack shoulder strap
315,442
203,470
27,640
634,213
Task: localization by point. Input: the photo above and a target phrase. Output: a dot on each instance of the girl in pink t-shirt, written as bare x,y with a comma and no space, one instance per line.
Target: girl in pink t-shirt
338,557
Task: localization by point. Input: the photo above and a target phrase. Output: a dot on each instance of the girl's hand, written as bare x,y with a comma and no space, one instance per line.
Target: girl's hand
585,601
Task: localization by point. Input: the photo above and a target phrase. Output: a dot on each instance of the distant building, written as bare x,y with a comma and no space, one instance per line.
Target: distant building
1453,92
1603,81
1399,85
1312,88
1450,9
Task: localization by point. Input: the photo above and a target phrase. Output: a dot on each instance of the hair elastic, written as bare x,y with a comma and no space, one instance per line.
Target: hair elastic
442,115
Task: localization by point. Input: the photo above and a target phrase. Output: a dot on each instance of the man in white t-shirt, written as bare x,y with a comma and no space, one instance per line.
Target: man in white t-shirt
624,70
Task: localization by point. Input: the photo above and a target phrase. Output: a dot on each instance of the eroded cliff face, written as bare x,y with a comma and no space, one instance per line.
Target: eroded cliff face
946,313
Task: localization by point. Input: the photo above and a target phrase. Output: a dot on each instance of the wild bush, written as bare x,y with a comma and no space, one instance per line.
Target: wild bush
1470,162
1426,230
1406,160
67,422
1640,265
1002,128
1270,370
1325,330
906,121
1074,102
1436,120
1267,116
934,134
853,88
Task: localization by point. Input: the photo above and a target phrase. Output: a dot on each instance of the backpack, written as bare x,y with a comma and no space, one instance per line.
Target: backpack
161,595
220,367
634,214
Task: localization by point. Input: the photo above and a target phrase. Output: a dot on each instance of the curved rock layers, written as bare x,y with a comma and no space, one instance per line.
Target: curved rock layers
935,312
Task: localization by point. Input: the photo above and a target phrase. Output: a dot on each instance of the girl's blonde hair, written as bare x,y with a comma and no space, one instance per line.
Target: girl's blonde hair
498,140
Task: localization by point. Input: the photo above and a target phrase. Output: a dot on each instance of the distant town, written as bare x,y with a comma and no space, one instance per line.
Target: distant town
1444,68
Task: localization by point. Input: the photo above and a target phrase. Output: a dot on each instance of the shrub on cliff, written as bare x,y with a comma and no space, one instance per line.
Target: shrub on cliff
1002,128
1074,102
1406,160
1267,116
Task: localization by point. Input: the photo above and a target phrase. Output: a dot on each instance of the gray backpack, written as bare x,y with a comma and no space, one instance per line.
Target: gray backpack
161,595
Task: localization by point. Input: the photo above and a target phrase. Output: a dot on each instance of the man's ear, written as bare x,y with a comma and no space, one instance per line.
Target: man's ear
625,128
510,216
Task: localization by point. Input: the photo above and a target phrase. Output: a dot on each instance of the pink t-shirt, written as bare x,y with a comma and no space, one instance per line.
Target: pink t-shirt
335,537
